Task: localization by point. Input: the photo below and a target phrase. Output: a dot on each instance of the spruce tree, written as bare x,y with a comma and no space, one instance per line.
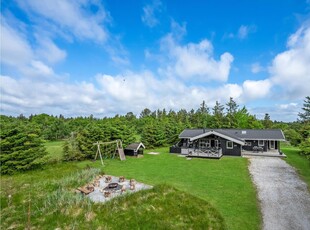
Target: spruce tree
305,116
21,148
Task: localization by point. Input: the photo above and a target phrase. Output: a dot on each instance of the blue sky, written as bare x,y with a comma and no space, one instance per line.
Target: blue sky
112,57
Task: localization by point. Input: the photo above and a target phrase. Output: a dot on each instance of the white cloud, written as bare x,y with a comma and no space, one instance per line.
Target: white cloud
195,60
28,96
17,53
256,89
291,69
244,31
135,91
15,50
256,67
113,94
289,105
280,112
48,51
41,69
71,16
149,13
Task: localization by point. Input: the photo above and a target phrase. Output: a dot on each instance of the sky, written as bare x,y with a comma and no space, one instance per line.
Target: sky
83,57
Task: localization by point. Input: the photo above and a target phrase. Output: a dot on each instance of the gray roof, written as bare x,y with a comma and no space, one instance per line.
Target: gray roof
135,146
243,134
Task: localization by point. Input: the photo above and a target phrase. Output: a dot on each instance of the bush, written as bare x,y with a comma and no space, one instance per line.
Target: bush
305,147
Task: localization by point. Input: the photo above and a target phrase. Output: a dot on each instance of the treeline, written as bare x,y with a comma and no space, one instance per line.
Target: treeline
153,128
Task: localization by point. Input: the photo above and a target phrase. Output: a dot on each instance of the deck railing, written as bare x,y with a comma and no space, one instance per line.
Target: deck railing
205,152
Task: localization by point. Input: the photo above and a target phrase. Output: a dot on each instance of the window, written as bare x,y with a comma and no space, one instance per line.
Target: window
248,143
261,143
229,145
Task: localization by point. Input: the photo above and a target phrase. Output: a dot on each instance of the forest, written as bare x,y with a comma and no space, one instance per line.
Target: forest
22,138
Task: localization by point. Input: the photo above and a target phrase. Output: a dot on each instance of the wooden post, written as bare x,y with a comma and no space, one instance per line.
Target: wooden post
98,152
97,143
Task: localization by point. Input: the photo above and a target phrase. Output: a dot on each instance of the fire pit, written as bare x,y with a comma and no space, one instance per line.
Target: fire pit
113,186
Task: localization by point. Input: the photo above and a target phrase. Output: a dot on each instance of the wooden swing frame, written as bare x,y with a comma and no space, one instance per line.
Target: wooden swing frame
118,148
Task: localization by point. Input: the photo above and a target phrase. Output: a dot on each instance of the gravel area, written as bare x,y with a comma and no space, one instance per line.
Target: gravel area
97,194
284,198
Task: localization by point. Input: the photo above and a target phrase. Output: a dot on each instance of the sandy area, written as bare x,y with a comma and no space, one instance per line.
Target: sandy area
153,153
284,198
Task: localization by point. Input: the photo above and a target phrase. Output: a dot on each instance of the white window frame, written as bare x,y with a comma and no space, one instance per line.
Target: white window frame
202,143
229,147
216,143
208,143
259,143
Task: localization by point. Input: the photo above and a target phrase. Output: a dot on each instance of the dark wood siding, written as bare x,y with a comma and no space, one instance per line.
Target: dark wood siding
236,151
250,147
255,143
130,152
175,149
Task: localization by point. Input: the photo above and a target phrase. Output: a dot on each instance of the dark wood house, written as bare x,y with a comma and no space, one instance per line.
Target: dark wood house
134,149
214,143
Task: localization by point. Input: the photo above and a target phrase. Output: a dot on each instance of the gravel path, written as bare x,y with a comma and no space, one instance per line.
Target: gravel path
284,198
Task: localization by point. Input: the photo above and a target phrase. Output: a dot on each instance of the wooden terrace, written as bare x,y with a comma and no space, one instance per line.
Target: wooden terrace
211,152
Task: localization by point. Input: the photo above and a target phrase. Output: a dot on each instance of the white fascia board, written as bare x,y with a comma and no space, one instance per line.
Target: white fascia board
141,145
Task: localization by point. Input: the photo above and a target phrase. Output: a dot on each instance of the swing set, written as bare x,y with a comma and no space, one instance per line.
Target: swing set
111,150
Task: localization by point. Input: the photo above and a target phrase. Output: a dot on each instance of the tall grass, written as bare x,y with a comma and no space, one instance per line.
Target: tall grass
44,195
53,204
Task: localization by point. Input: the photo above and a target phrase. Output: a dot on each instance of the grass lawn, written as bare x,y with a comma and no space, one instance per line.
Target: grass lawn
54,149
197,194
224,183
301,164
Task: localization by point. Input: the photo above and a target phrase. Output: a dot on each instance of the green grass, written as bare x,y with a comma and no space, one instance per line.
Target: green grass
197,193
224,183
53,204
300,162
54,149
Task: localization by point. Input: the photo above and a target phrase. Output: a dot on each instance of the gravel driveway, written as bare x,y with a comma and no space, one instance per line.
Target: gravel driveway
284,198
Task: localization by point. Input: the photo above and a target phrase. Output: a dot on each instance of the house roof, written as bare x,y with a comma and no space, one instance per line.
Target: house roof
241,134
135,146
220,134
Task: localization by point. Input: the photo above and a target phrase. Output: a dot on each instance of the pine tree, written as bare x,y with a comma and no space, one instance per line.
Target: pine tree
232,109
153,134
305,116
218,116
21,148
267,121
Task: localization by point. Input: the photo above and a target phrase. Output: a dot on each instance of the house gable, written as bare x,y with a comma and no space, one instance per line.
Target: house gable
236,140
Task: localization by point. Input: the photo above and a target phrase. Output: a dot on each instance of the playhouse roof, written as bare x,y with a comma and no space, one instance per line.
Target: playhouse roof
135,146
